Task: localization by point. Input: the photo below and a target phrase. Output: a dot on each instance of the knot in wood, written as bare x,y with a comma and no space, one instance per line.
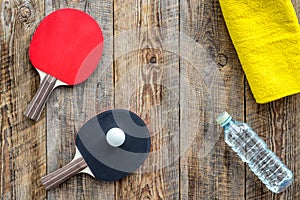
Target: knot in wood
151,55
222,60
24,13
153,59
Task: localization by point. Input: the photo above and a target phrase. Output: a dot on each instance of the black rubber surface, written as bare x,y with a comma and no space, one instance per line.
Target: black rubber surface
113,163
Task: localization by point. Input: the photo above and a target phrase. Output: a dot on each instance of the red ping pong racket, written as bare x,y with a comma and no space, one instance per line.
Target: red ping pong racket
108,147
65,49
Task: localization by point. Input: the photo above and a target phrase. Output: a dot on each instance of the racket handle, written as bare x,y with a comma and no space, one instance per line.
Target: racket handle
35,107
57,177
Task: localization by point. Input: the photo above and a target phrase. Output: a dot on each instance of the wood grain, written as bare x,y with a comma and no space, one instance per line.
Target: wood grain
57,177
278,124
145,84
280,130
209,168
22,142
37,104
70,107
171,62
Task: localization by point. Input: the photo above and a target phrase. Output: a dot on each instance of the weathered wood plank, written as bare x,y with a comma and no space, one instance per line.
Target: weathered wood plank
278,124
147,82
22,141
70,107
209,168
155,74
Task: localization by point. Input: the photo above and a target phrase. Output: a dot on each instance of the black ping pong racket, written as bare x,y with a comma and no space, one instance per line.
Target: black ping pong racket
109,146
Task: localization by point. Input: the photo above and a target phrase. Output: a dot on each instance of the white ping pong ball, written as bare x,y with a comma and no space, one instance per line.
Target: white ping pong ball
115,137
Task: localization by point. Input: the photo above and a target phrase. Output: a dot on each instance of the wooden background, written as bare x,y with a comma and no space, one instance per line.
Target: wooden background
140,80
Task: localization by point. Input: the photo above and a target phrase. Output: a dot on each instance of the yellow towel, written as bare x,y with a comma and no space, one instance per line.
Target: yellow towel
266,36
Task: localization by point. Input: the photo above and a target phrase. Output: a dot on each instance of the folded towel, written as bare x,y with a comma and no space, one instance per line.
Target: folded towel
266,36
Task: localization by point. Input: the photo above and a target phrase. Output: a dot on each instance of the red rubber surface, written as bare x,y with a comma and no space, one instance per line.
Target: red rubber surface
68,45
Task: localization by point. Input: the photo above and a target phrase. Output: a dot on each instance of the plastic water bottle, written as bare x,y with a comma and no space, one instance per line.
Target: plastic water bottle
254,151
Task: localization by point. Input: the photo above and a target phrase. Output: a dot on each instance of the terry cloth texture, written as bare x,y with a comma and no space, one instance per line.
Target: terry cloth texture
266,36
